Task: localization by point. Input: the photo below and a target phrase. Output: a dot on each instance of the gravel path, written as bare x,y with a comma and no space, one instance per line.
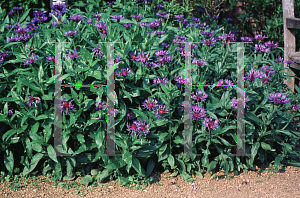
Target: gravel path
284,183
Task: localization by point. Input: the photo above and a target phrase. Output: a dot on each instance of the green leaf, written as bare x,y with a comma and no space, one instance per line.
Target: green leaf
140,113
9,160
41,117
11,99
137,166
86,180
212,165
24,16
128,95
266,146
41,74
31,85
8,134
51,153
171,161
254,150
150,165
127,157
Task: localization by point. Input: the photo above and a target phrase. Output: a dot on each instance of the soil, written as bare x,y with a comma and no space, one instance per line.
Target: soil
284,183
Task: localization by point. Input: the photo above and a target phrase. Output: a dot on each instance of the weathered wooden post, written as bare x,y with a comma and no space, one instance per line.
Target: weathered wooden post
53,2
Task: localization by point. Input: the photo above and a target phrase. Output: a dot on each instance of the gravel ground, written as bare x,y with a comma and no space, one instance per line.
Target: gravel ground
284,183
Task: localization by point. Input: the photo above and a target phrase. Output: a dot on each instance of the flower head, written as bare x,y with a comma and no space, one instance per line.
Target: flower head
150,104
198,112
100,105
278,98
210,123
66,105
72,55
239,103
31,60
200,95
33,100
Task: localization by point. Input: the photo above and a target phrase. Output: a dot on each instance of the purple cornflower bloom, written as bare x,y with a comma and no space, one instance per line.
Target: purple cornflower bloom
132,127
31,60
179,80
39,16
278,60
77,18
66,105
8,27
98,51
160,110
149,34
162,14
21,30
252,75
209,42
137,17
161,52
165,59
51,58
262,48
183,53
183,105
142,24
216,17
294,107
227,37
229,19
10,112
97,15
193,184
208,33
32,26
225,84
288,62
5,54
267,70
210,123
166,46
161,7
235,103
259,37
110,3
72,55
118,17
200,95
196,20
113,112
266,78
199,62
124,72
246,39
142,127
142,58
100,105
10,12
159,21
129,115
179,16
270,44
127,25
197,112
17,8
151,64
1,60
34,100
160,81
54,23
151,24
70,33
59,7
150,104
278,98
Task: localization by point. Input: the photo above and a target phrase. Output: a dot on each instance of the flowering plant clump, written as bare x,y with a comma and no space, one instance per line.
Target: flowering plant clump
151,91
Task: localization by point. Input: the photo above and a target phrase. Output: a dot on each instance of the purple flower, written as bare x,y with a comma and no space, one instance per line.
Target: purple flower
216,17
137,17
129,115
193,184
270,45
1,60
10,112
294,107
161,52
17,8
21,30
154,65
226,84
72,55
110,3
123,72
98,51
288,62
262,48
127,25
147,104
235,103
10,12
97,15
112,112
165,59
69,33
143,127
61,7
179,16
265,78
278,60
8,27
133,127
54,23
210,123
209,42
151,24
118,17
160,109
100,105
183,53
34,100
5,54
200,95
66,105
160,81
267,70
246,39
199,62
198,112
166,46
31,60
208,33
51,58
229,19
77,18
259,37
161,7
142,58
278,98
252,75
162,14
32,26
